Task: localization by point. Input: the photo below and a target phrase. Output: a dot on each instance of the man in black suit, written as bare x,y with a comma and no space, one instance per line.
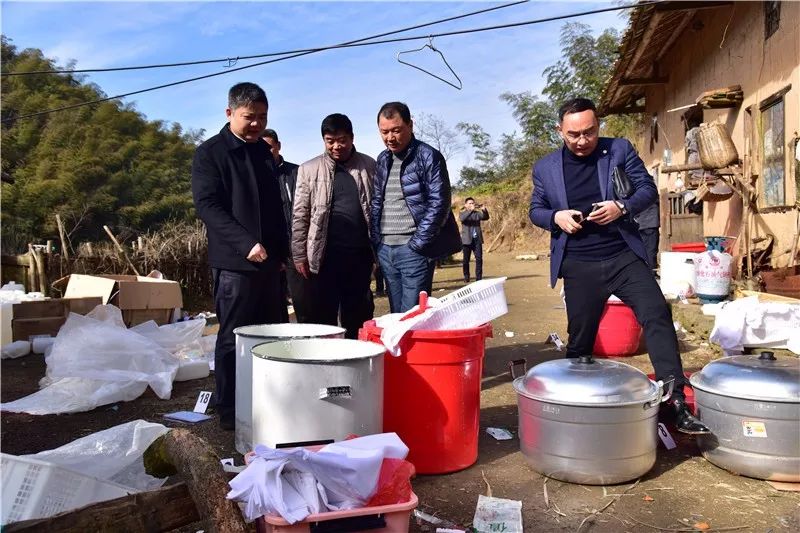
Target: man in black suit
237,196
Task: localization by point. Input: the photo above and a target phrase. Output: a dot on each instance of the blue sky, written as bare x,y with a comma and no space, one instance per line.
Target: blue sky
354,81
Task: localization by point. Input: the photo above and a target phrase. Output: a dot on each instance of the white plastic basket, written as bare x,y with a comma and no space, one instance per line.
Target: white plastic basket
37,489
470,306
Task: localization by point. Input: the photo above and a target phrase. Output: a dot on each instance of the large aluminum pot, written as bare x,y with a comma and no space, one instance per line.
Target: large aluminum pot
751,404
589,421
316,390
246,338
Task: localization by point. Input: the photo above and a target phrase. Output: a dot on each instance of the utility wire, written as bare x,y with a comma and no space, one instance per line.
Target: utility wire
349,44
233,60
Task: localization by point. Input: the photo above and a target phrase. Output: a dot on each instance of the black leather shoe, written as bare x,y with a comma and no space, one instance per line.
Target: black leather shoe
685,421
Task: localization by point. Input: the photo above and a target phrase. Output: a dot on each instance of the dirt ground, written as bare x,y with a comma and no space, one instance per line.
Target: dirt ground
681,491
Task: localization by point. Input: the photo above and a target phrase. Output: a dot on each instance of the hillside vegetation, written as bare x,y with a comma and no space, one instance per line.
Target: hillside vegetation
102,164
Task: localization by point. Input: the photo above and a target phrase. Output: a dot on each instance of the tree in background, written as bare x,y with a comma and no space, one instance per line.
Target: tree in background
434,131
103,164
585,65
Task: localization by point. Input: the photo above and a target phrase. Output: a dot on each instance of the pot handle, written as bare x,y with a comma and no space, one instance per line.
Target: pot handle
515,363
661,398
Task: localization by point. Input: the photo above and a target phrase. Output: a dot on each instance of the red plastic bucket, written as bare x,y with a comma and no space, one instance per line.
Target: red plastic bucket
432,395
619,333
698,247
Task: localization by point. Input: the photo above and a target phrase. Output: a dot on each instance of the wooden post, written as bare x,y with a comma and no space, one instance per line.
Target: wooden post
61,234
48,247
41,271
31,269
121,250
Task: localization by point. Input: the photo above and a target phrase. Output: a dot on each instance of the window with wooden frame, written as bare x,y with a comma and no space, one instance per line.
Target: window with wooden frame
772,18
773,158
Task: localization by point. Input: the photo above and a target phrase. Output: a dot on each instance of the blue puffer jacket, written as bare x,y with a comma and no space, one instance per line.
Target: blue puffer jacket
426,187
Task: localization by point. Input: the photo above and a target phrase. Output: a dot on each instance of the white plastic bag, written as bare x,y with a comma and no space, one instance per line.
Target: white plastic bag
101,350
114,454
75,395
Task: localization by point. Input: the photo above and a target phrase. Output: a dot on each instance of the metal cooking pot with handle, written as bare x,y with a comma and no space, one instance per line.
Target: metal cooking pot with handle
751,404
589,421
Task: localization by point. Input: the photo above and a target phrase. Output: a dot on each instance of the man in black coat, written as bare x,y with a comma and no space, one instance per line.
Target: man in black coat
237,196
472,236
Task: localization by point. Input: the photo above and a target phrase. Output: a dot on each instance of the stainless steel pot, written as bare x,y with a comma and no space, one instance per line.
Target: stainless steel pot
752,406
588,421
246,338
316,390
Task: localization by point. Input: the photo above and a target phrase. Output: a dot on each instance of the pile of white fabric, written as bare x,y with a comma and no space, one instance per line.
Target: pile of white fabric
299,482
748,322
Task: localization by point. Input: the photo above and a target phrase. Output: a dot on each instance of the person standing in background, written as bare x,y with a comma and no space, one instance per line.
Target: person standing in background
330,230
412,223
472,237
287,178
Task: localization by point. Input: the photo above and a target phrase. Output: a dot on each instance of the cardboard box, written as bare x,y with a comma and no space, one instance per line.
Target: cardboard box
140,298
45,317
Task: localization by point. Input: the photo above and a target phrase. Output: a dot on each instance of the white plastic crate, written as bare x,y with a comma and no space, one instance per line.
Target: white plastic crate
37,489
470,306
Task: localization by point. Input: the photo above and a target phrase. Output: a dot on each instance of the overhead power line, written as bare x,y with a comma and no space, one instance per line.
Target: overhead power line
233,60
350,44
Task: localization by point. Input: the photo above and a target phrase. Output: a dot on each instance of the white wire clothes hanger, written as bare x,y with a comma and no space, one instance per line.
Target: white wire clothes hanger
429,45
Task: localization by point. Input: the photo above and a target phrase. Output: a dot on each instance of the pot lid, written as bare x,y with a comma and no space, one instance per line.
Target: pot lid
585,381
752,377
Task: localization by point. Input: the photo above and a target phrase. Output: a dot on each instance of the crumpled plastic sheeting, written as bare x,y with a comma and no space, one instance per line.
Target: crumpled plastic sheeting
748,322
96,360
114,454
298,482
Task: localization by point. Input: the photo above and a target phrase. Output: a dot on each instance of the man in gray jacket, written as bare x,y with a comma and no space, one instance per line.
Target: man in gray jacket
472,236
649,222
331,249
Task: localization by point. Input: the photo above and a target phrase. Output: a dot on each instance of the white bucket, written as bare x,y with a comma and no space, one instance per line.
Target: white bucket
677,273
713,276
246,338
316,390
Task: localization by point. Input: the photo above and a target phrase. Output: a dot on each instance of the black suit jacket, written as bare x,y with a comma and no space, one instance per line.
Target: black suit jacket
225,188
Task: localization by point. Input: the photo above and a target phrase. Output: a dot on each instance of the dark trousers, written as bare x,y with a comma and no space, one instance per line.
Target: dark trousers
341,291
302,298
240,299
650,236
587,287
468,249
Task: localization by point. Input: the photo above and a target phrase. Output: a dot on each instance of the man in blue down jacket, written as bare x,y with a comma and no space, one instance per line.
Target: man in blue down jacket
236,195
411,221
595,245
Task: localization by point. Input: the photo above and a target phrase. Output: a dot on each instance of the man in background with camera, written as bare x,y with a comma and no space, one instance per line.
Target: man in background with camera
586,194
472,237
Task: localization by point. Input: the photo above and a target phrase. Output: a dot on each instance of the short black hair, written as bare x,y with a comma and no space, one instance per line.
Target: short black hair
468,198
390,109
244,94
336,123
272,134
575,105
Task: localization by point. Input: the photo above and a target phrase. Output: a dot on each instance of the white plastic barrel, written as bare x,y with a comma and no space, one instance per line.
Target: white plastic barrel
677,273
246,338
316,390
713,270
